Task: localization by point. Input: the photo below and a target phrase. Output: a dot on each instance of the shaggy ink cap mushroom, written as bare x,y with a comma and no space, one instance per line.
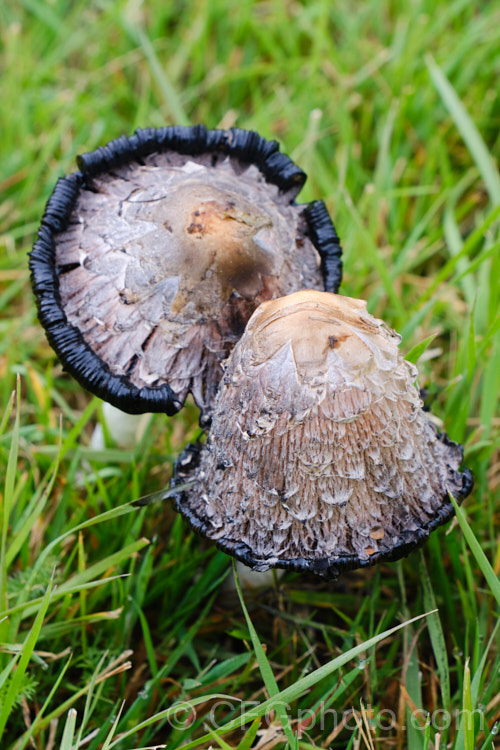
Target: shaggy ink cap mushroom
152,257
320,456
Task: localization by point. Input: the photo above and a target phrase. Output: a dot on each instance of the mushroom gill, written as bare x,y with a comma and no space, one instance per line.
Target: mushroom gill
319,455
151,259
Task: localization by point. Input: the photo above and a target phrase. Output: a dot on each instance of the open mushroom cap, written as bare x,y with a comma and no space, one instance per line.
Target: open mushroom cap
319,455
151,259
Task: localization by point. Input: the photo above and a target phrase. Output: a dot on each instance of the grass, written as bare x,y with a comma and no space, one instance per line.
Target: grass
117,631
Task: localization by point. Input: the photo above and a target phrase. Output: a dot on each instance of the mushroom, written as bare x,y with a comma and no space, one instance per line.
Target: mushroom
151,258
320,456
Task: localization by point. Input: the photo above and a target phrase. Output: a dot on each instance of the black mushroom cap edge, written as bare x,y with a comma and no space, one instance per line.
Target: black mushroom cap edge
68,342
328,568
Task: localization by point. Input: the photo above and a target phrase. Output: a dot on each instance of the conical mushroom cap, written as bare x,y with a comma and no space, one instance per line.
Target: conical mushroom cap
319,456
152,258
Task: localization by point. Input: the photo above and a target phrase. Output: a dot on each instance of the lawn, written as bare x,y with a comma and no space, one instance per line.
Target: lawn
120,627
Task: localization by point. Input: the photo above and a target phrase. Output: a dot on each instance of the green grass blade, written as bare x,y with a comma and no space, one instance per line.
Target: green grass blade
158,497
168,91
7,412
33,512
249,738
6,505
468,130
28,647
41,713
414,688
90,698
302,685
417,351
265,667
69,730
467,714
4,674
112,731
436,635
99,568
178,709
492,735
476,680
220,742
491,386
148,642
475,547
109,515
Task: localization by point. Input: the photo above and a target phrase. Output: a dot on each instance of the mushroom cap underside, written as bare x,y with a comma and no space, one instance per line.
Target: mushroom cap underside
319,456
152,257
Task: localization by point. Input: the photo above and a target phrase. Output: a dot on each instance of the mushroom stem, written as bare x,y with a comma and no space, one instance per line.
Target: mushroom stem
126,430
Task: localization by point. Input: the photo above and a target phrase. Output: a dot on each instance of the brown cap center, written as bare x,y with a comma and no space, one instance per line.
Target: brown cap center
210,237
315,323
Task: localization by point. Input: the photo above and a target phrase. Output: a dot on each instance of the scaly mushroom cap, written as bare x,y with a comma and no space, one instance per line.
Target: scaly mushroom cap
319,456
152,258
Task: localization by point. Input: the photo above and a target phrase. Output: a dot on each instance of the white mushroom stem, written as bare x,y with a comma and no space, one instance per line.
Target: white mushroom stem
126,430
